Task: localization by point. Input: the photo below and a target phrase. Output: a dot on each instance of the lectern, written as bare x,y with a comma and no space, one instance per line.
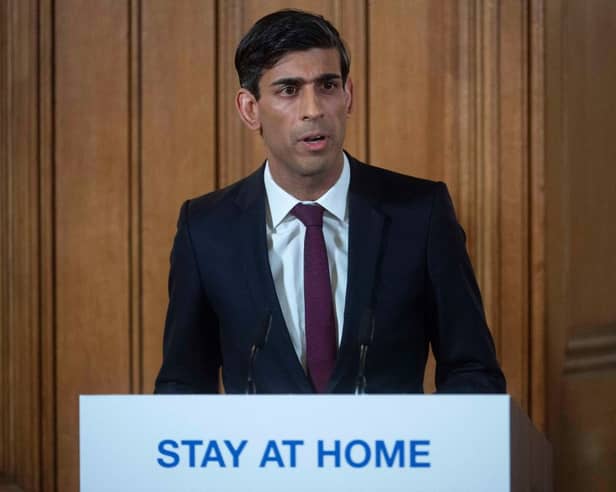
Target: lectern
254,443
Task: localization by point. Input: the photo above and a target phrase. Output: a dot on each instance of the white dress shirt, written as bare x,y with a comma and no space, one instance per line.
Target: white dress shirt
285,244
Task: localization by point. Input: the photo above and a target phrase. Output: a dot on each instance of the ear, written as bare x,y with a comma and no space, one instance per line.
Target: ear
348,91
248,109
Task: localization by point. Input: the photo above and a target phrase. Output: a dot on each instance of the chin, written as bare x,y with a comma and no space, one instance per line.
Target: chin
314,166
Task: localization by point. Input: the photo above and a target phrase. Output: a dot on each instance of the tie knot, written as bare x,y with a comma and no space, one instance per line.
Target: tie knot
310,215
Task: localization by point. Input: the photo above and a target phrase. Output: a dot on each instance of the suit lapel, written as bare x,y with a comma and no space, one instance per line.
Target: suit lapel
250,234
366,227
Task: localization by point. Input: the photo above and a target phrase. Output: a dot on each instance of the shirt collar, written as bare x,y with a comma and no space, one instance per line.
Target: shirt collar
334,200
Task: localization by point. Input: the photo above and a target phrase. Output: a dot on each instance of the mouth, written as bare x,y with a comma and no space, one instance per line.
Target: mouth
315,142
313,138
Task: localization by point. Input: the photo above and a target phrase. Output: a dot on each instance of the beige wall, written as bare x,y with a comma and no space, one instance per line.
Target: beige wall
113,112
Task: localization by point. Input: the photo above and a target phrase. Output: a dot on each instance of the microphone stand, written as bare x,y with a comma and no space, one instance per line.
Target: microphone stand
366,335
260,341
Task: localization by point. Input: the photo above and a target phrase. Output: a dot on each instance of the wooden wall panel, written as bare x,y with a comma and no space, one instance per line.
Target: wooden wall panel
21,266
586,456
24,287
403,85
92,219
556,209
485,100
502,206
135,201
590,123
26,408
513,193
581,236
47,251
537,215
178,154
5,408
6,467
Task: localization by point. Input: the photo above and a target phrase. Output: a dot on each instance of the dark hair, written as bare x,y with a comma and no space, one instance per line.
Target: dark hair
279,33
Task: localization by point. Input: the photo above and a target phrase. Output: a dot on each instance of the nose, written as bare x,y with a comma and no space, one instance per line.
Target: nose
310,104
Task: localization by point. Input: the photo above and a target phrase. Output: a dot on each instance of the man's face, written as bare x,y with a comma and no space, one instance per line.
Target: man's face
302,115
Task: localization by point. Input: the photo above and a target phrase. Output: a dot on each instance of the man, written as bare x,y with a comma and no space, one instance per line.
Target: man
316,254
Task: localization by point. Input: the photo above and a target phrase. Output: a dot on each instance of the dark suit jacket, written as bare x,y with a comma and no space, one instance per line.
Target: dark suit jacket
407,262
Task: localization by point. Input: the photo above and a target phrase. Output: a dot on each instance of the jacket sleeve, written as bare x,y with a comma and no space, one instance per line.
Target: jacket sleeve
191,348
461,341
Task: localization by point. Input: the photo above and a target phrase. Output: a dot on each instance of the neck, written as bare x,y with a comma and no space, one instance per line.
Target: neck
306,190
306,187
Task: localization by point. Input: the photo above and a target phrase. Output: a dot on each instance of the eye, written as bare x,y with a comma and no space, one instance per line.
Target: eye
288,90
329,85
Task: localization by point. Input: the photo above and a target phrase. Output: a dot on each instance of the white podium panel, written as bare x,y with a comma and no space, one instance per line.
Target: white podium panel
311,443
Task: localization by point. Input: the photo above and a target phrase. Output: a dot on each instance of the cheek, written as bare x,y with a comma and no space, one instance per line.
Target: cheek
275,137
338,109
276,127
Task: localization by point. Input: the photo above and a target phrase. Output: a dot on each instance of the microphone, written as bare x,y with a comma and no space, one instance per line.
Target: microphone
260,341
366,335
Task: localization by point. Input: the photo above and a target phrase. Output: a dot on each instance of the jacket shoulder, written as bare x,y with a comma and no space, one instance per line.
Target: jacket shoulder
390,186
219,205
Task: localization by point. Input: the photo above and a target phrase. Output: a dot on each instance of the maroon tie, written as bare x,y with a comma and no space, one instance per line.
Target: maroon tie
319,309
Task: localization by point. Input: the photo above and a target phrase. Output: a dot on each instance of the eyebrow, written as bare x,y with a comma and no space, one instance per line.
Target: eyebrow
300,81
